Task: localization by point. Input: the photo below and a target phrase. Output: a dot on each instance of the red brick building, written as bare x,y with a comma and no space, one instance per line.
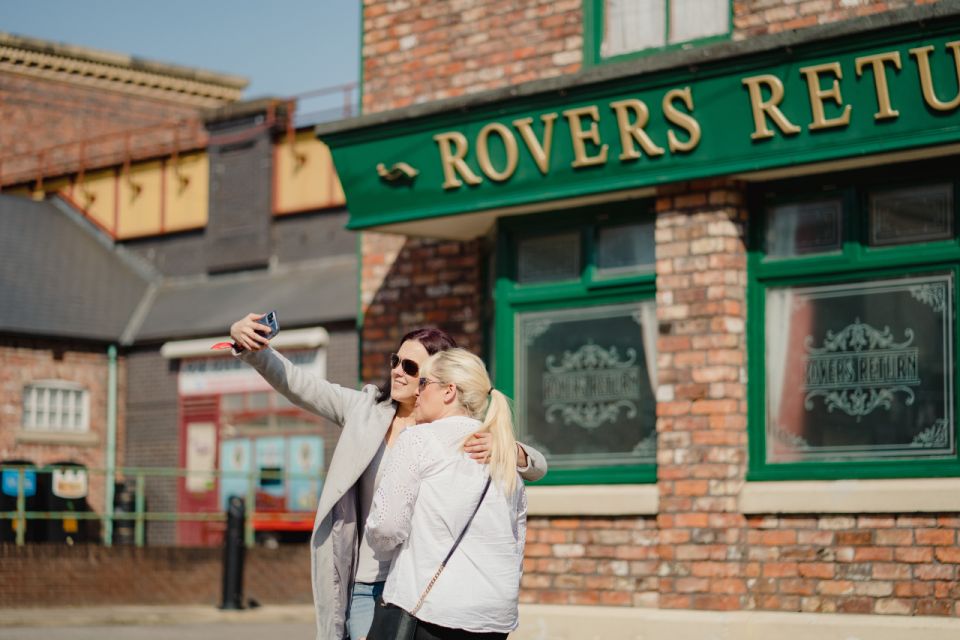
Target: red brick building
145,209
710,249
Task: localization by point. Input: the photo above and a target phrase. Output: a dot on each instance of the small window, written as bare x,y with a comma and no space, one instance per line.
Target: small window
804,228
548,258
625,248
914,214
56,406
634,25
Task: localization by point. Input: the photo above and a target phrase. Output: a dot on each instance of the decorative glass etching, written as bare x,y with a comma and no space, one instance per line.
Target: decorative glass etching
585,384
860,370
915,214
802,228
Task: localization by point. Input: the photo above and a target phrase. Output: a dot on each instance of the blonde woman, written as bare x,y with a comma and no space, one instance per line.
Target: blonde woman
429,492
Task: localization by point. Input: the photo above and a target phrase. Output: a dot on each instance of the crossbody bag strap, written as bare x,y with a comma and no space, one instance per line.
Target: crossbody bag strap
456,544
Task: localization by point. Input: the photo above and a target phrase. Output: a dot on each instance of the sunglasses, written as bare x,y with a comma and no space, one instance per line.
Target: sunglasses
409,367
423,382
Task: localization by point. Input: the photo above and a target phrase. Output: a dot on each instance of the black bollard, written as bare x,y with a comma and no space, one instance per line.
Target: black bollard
233,551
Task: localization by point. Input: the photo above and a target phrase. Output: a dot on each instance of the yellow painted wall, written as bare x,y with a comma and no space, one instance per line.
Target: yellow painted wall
304,175
140,200
188,189
95,195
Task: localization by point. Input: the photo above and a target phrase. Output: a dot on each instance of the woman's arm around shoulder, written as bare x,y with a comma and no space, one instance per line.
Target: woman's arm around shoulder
391,515
536,465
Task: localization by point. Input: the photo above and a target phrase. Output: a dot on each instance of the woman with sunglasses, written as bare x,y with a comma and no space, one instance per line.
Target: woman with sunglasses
347,574
434,503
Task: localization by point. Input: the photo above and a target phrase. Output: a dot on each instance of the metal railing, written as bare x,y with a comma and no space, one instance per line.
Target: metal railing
140,516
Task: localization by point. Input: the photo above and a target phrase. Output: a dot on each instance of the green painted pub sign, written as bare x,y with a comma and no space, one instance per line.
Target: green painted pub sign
877,92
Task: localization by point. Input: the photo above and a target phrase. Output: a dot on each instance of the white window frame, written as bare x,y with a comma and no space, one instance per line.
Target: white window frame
66,395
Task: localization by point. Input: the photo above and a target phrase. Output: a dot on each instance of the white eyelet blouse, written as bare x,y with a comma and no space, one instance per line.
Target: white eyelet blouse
428,490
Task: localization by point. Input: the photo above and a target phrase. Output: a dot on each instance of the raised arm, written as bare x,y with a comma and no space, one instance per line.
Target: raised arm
306,390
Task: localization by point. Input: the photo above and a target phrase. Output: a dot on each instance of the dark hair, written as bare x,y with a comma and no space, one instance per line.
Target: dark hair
433,340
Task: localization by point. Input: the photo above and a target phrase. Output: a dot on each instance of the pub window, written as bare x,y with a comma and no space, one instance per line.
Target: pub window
857,291
576,340
618,28
56,405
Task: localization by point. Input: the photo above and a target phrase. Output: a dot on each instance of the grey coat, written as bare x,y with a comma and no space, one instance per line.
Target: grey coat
336,532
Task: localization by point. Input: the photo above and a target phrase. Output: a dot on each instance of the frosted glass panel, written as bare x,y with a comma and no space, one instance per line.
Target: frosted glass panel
694,19
585,384
548,258
809,227
860,370
632,25
625,247
916,214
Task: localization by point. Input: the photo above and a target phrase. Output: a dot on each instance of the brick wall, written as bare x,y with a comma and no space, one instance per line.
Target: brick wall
411,283
41,114
420,50
23,361
591,561
753,18
90,575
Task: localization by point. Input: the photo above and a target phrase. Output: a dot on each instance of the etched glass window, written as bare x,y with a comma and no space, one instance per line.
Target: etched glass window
804,228
861,370
56,406
916,214
625,248
548,258
585,384
634,25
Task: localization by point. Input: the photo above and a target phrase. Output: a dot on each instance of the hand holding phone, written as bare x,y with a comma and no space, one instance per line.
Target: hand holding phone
270,320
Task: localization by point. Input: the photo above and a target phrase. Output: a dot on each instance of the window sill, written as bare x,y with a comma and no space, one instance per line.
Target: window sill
54,438
914,495
593,500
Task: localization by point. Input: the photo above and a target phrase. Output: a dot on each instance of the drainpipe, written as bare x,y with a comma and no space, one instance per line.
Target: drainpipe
111,444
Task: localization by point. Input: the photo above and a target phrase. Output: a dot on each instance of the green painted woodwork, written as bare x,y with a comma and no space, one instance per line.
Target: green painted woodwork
587,290
721,107
855,261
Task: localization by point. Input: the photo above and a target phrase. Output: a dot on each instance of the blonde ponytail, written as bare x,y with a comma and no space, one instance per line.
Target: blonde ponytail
503,446
481,402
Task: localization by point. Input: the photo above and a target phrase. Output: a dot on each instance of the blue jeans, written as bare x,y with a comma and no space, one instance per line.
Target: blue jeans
362,604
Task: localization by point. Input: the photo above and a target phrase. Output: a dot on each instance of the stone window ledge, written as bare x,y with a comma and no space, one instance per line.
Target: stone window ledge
593,500
24,436
912,495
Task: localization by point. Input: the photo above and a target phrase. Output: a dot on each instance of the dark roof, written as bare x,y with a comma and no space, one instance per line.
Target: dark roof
60,277
320,291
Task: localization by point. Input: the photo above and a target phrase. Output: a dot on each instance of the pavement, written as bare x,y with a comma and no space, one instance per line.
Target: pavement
289,622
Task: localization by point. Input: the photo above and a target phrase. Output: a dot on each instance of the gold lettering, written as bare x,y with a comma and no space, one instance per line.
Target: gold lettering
878,64
683,120
539,152
578,135
483,151
452,161
922,54
634,131
818,94
769,109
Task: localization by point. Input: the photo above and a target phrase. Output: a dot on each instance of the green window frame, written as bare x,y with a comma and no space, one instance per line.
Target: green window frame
591,291
593,32
859,269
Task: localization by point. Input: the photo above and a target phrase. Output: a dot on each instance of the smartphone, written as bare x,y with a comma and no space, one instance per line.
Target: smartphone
270,320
